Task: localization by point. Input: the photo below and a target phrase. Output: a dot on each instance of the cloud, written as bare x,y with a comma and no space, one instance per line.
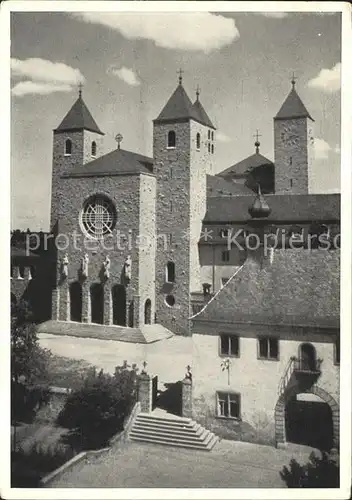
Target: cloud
127,75
28,87
201,31
321,149
328,80
221,137
46,71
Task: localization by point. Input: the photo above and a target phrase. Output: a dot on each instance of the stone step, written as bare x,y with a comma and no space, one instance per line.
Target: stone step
188,433
202,441
208,447
195,429
172,420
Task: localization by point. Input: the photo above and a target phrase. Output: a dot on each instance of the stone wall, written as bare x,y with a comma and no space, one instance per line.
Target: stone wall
124,192
256,380
147,250
293,155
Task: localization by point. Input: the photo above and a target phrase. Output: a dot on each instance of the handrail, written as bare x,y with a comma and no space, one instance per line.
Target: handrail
299,365
286,376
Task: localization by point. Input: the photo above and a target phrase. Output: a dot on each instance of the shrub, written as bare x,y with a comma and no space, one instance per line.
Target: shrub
97,410
319,472
29,466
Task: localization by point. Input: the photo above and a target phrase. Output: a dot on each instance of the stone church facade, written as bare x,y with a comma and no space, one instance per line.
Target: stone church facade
142,241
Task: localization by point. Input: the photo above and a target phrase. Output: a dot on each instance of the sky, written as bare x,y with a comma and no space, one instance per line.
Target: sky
128,64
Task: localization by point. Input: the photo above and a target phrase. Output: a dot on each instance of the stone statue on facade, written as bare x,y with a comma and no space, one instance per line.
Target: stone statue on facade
84,266
106,267
128,266
64,266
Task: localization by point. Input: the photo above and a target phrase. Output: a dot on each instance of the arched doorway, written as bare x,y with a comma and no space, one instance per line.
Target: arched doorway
119,305
76,301
147,312
308,421
297,420
97,303
307,357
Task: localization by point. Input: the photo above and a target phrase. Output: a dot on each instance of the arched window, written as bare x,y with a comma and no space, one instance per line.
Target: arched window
68,147
170,272
212,136
208,134
171,139
198,140
94,148
209,147
212,149
147,312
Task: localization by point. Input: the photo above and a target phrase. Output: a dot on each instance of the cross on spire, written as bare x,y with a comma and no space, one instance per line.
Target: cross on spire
180,73
293,79
197,92
257,143
118,139
80,87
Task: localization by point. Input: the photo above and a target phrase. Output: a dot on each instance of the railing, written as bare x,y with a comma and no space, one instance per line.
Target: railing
306,366
299,365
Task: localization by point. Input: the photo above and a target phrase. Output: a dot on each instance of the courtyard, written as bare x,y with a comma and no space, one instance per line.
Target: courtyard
229,465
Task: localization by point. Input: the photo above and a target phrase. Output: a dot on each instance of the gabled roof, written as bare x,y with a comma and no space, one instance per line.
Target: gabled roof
243,166
117,162
217,186
202,115
285,207
79,118
179,107
277,293
293,107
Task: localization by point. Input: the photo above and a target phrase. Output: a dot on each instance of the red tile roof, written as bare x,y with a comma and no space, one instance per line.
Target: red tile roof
79,118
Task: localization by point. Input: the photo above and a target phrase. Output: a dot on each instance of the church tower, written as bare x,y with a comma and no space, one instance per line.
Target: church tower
293,145
77,140
183,150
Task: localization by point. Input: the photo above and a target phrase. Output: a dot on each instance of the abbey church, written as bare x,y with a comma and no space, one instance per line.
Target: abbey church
151,241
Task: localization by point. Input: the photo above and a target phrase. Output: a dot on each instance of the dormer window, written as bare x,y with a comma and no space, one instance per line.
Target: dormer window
68,147
171,139
94,149
198,141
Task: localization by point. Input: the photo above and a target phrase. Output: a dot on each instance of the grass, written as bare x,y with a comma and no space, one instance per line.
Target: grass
67,372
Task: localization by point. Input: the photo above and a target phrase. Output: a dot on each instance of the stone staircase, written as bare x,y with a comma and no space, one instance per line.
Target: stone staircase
172,430
146,334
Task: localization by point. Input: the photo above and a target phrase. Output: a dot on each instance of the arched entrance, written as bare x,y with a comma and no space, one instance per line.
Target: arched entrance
293,416
307,357
119,305
97,303
76,301
147,312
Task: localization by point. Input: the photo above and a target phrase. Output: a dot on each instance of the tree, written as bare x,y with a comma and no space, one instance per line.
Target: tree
319,472
97,410
29,361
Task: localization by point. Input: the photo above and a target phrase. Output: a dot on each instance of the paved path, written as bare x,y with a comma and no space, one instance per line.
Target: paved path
139,465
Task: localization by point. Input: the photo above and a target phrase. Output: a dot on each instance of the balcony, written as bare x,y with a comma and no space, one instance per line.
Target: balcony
306,366
300,371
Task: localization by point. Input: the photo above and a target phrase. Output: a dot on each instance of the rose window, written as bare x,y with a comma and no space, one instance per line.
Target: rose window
98,216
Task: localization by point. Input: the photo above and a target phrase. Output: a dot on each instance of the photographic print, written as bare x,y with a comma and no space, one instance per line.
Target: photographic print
175,248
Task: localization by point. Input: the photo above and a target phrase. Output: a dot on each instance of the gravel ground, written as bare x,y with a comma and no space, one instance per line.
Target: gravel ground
138,465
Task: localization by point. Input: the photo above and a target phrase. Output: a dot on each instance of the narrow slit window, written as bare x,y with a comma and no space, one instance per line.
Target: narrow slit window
171,139
198,141
94,148
68,147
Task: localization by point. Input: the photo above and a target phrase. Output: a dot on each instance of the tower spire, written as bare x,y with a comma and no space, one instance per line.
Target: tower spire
80,88
180,73
197,92
257,143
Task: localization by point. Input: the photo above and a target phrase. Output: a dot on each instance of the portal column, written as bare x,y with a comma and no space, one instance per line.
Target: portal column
85,303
